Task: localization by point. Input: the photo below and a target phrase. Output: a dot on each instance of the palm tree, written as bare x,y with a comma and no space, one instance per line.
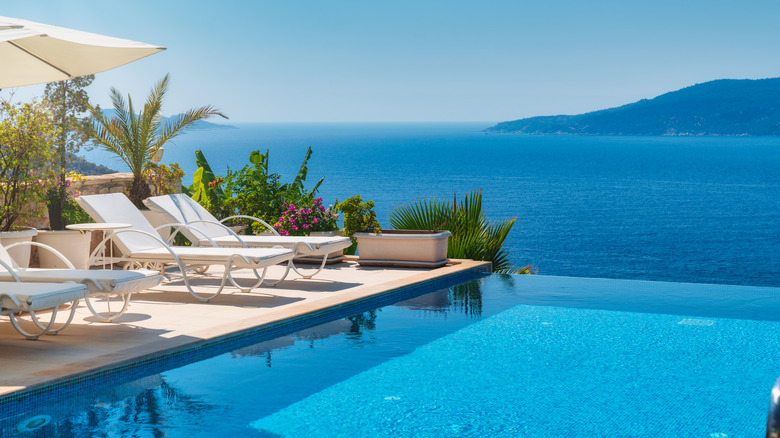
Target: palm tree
473,236
135,138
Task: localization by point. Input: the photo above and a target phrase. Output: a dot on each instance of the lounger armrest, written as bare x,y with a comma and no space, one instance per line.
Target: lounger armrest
219,224
302,244
11,271
46,247
177,229
157,238
12,297
243,216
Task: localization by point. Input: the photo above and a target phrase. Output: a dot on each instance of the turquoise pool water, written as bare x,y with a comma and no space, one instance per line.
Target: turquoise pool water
501,355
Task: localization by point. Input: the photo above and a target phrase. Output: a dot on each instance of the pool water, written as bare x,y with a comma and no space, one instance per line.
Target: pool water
501,355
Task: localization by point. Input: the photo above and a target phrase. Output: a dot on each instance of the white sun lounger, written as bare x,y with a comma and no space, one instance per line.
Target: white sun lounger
205,229
102,284
142,245
18,297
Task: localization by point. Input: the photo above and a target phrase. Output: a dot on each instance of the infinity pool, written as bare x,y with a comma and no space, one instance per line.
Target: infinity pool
500,355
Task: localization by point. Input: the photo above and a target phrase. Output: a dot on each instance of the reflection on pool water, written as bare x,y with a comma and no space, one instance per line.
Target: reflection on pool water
498,356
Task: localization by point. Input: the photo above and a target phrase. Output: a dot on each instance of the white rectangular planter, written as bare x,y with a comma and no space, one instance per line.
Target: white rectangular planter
74,245
403,248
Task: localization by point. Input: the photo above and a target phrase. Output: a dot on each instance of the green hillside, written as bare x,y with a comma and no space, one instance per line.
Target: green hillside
721,107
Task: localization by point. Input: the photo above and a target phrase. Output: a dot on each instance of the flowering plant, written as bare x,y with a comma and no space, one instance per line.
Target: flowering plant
27,134
301,221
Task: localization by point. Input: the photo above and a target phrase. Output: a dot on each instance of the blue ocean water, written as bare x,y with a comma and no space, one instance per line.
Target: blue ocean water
694,209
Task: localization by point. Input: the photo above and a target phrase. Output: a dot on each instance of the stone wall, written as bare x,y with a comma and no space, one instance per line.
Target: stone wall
100,184
94,185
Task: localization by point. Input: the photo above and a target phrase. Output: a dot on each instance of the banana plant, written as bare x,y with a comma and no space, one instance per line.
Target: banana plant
206,189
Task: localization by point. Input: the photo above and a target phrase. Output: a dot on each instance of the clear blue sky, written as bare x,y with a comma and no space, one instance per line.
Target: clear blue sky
343,61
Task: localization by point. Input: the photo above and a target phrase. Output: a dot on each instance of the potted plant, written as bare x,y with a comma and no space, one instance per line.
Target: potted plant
27,135
398,248
473,235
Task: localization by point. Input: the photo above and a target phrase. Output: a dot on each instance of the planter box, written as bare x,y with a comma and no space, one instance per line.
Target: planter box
403,248
20,254
74,245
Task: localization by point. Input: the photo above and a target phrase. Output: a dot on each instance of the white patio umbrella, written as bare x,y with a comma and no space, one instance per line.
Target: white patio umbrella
34,53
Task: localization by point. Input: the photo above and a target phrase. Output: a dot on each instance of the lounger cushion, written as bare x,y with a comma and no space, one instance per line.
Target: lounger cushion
181,209
117,208
319,245
118,282
189,255
38,296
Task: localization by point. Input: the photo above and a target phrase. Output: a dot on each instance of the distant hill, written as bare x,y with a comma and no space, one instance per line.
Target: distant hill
200,125
84,167
721,107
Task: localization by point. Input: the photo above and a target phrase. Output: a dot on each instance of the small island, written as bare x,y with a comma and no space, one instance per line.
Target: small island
734,107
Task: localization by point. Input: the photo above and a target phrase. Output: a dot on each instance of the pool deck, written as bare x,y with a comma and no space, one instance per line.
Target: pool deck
168,318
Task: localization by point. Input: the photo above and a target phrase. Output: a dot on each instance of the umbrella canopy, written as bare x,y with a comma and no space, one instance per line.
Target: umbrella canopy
34,53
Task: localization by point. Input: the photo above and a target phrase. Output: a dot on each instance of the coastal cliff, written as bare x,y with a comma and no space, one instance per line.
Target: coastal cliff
721,107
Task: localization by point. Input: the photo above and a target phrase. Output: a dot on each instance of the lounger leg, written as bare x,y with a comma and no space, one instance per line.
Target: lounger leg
53,331
260,280
274,282
49,328
322,265
109,316
204,298
42,330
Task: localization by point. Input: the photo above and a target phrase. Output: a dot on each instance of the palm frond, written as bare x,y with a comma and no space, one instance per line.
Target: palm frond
473,236
424,215
136,137
176,124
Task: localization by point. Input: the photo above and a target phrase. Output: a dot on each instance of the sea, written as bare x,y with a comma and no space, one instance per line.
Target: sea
686,209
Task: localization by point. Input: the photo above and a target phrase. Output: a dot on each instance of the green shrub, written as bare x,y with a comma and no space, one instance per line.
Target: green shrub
251,191
359,217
